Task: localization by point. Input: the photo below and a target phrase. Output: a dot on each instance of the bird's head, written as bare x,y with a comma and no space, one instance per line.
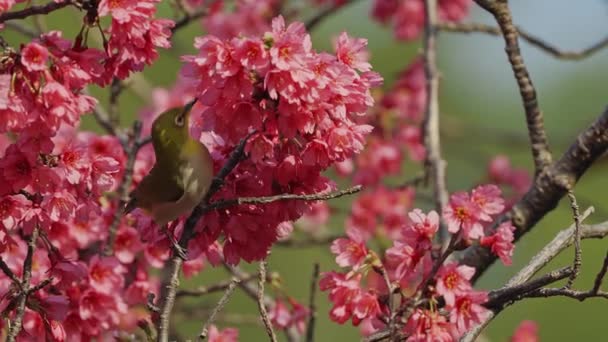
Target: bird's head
170,131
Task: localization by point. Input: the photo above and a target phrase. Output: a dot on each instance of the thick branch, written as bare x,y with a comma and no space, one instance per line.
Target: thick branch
17,323
534,117
547,190
434,163
551,250
34,10
530,38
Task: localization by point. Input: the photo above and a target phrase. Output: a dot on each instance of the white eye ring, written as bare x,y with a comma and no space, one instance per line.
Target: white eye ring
179,120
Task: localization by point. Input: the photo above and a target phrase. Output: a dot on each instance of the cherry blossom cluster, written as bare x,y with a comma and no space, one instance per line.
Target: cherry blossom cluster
248,18
436,295
57,183
407,16
302,105
397,135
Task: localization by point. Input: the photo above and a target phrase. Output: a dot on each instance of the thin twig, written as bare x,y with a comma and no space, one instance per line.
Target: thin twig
576,264
261,305
310,329
597,284
221,286
308,242
282,197
7,271
220,305
24,30
530,38
123,190
434,164
498,298
534,116
34,10
578,295
391,300
325,13
116,88
189,17
41,285
17,322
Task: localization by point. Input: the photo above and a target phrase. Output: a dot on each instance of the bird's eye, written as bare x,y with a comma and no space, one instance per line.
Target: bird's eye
179,120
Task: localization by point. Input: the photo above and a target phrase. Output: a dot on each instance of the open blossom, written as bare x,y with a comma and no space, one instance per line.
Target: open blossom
468,311
349,253
425,325
501,242
453,280
463,214
488,199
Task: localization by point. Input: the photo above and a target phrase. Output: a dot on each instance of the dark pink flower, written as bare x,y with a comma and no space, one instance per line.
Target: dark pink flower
425,326
468,311
349,253
106,274
463,214
225,335
452,280
527,331
34,56
501,242
353,52
489,200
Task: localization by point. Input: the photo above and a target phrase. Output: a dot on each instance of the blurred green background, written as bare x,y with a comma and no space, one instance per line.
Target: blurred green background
481,116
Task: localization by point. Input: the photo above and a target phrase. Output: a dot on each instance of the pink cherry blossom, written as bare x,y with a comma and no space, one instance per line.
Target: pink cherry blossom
501,242
526,331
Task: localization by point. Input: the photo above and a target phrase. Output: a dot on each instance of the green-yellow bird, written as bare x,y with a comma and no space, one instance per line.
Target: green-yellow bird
182,174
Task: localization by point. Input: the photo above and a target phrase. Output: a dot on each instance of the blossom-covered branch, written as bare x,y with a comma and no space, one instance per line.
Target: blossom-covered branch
549,188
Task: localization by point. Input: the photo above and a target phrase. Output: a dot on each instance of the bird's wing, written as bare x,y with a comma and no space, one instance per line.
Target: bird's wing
155,188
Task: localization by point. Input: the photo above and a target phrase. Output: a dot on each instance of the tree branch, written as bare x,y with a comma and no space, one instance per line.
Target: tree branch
551,250
261,305
577,262
325,13
547,190
310,329
597,284
530,38
435,165
34,10
534,116
17,323
189,17
220,305
221,286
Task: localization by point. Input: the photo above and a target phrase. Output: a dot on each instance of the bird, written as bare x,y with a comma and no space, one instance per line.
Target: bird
182,174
